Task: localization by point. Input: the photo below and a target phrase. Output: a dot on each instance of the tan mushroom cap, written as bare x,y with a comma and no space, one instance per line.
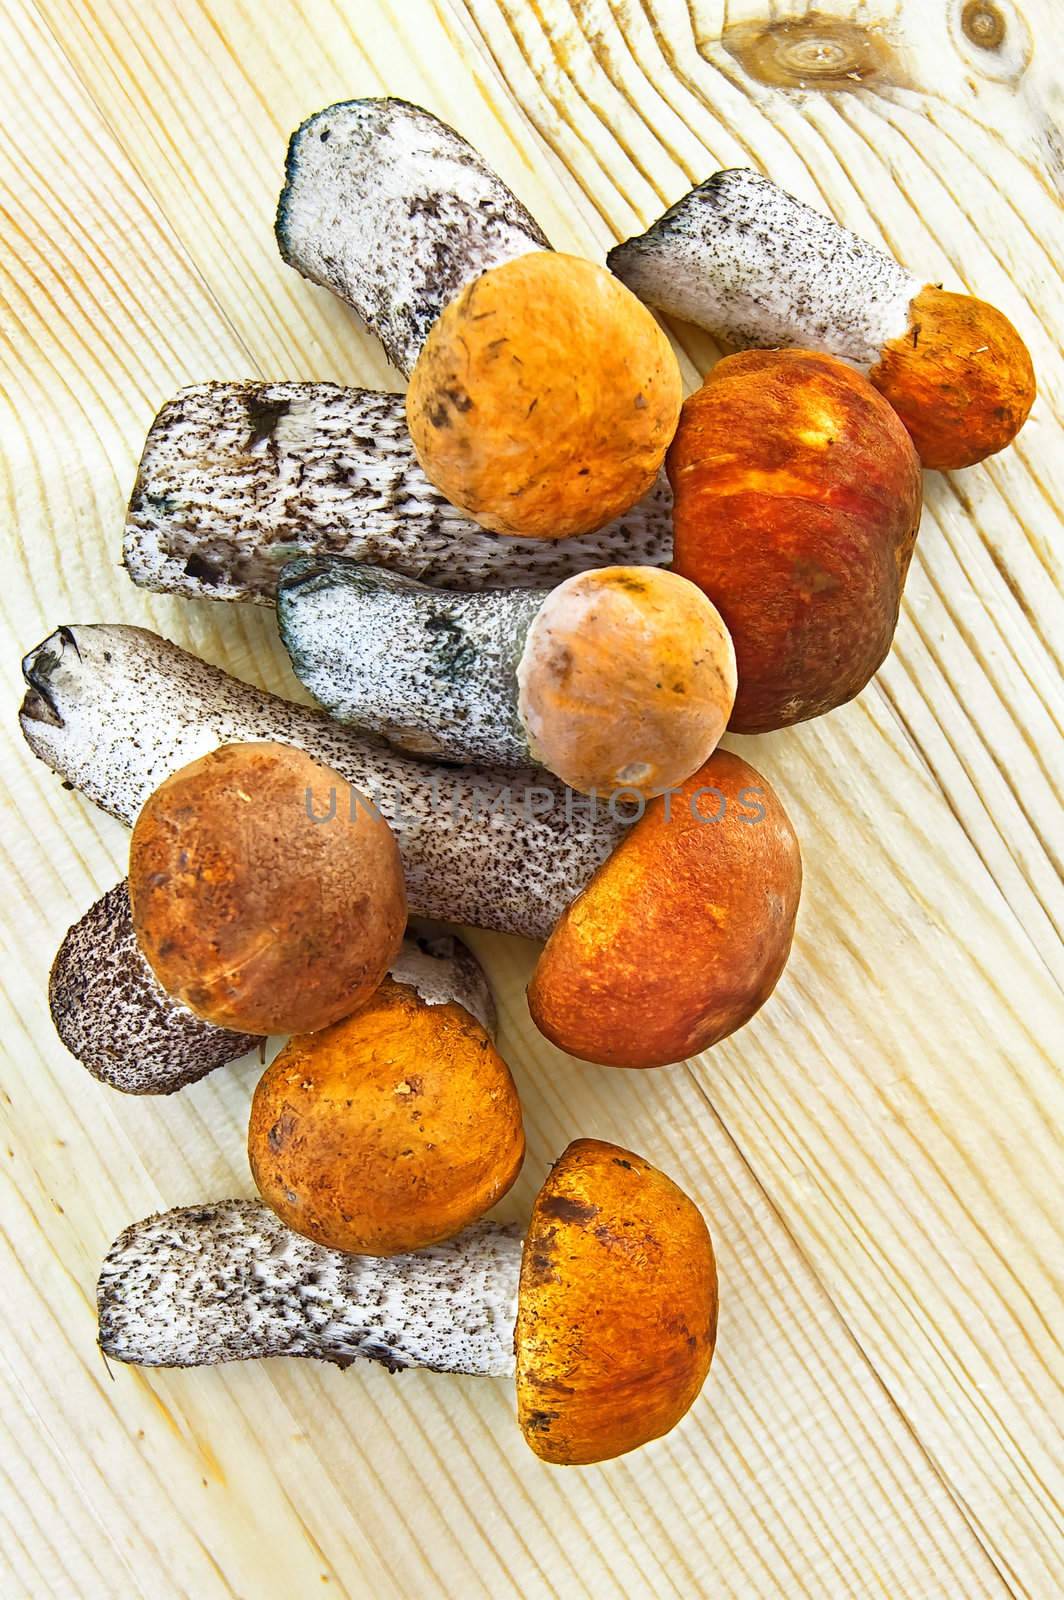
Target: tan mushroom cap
390,1131
617,1307
258,917
544,398
627,680
682,933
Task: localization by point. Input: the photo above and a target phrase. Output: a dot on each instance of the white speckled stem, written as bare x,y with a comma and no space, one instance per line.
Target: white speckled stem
393,211
747,261
227,1281
434,673
115,1017
237,478
115,710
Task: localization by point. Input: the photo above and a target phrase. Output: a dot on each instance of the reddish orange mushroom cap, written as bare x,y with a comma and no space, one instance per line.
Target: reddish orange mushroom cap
960,378
682,933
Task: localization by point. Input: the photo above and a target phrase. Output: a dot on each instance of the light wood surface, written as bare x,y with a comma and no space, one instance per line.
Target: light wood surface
879,1152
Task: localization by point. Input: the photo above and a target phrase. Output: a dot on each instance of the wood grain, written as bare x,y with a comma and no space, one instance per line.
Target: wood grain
876,1153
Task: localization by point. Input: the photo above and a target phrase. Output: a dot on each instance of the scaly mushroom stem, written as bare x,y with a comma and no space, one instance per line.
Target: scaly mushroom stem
749,262
395,212
622,678
115,1017
237,478
115,710
741,257
228,1281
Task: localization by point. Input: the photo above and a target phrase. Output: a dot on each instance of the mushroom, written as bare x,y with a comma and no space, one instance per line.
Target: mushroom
542,394
115,709
391,1130
684,932
606,1316
740,257
798,498
619,678
115,1017
237,478
250,909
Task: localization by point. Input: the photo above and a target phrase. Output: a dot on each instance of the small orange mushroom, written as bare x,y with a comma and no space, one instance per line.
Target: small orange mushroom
542,395
267,894
744,259
544,399
960,378
391,1130
620,678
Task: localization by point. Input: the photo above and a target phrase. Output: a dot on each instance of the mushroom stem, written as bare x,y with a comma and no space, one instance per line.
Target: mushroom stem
115,710
741,257
395,212
228,1281
115,1017
435,673
237,478
622,678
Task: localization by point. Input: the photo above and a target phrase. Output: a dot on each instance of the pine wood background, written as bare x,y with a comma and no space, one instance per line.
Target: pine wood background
879,1152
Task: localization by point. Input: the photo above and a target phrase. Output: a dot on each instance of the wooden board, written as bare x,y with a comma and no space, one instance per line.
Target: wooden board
879,1152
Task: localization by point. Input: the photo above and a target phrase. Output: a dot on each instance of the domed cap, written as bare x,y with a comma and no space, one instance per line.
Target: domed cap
617,1307
545,398
684,930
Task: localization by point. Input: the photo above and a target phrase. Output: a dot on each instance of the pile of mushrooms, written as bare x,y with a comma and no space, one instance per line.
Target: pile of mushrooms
529,598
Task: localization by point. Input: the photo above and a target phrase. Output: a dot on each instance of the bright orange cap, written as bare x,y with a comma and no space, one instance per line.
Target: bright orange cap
960,378
682,933
617,1308
390,1131
544,398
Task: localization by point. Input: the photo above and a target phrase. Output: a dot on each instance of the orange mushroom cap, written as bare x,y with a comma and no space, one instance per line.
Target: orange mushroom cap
617,1307
544,398
684,930
960,378
255,915
390,1131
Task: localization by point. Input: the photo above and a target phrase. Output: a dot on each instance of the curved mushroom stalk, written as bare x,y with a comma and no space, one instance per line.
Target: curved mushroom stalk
542,395
115,1017
750,263
115,710
393,211
237,478
618,679
611,1305
228,1281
